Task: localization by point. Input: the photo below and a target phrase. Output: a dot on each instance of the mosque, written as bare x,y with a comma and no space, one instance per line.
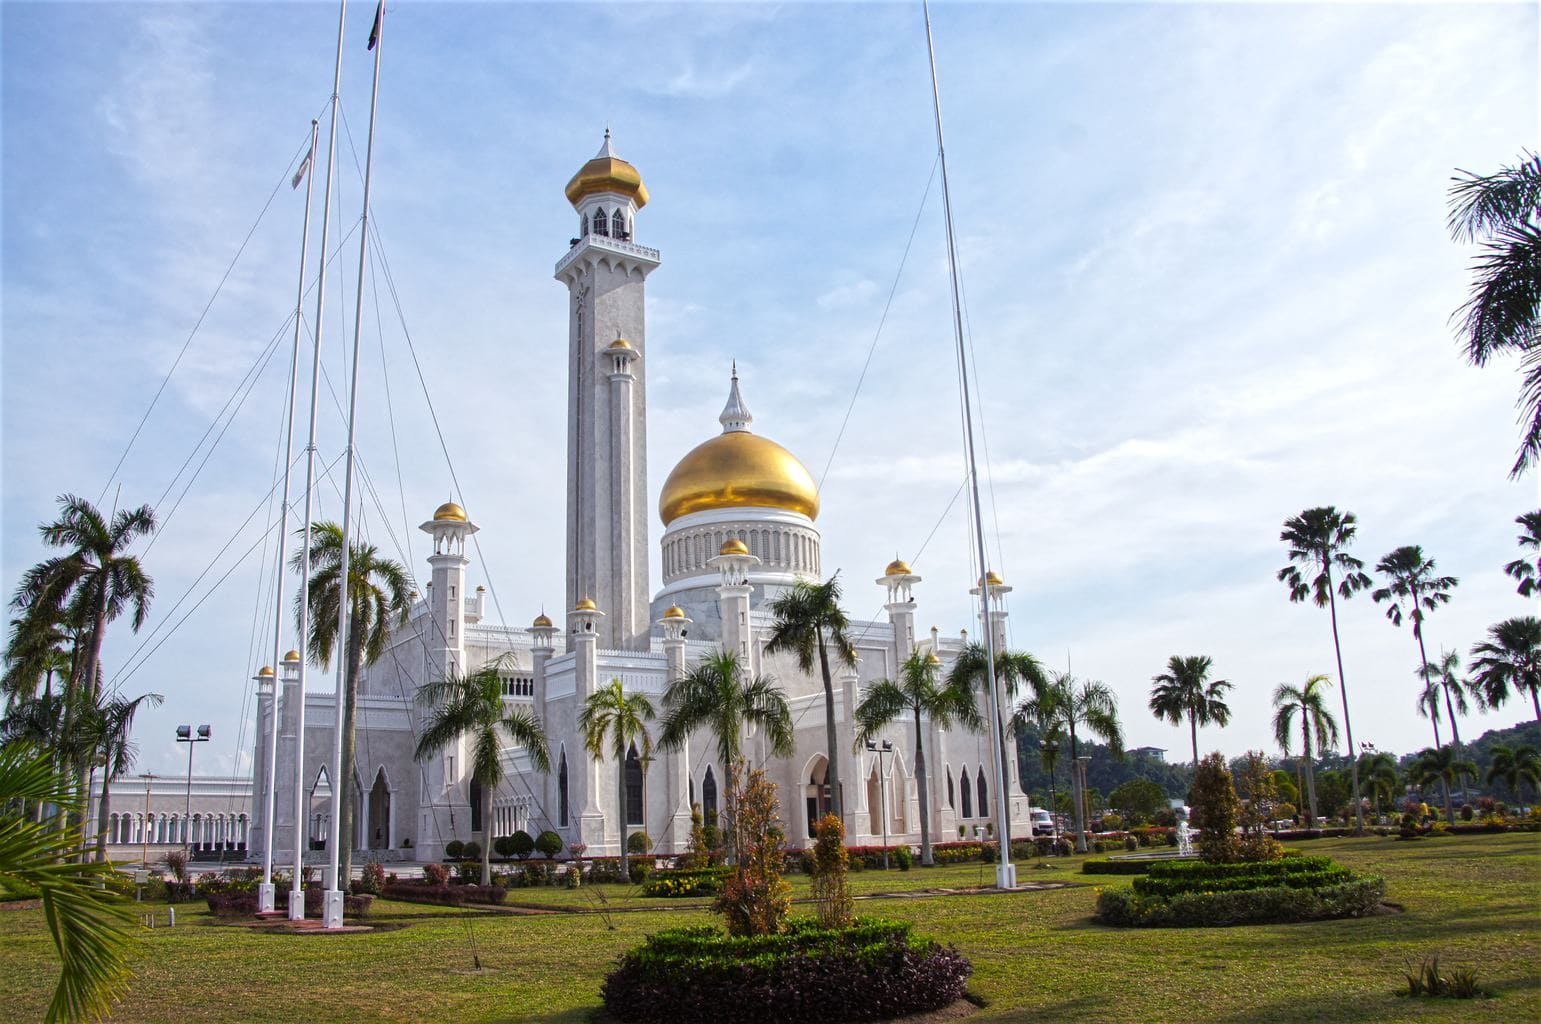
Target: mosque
740,525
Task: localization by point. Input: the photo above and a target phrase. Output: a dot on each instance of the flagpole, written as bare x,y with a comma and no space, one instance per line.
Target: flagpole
1005,870
333,913
265,893
301,824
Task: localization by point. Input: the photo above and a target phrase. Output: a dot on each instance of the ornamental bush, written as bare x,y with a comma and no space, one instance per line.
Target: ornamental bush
503,846
548,844
681,882
444,895
471,851
831,890
638,842
874,970
523,844
1215,809
454,849
1200,894
435,874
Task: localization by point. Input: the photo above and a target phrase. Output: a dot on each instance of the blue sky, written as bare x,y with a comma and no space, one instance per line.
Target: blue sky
1208,285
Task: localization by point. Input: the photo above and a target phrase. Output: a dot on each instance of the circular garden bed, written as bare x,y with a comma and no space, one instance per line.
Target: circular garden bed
1197,894
873,970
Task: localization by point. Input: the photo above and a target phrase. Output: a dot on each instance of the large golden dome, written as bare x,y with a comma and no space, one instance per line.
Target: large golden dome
607,173
738,470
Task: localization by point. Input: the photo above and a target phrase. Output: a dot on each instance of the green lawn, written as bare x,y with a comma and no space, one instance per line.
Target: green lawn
1473,900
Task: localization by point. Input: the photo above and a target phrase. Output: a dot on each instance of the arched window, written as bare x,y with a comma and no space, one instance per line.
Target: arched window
561,791
475,796
709,798
601,224
874,802
618,224
583,224
633,787
968,793
952,804
984,800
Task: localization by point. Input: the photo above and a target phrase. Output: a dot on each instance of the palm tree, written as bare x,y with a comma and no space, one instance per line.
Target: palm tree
1428,707
1318,540
808,622
1504,311
916,692
38,651
88,922
612,715
115,752
1509,661
1440,764
1065,704
1183,691
473,704
1014,671
1441,677
377,603
1410,578
92,585
1316,724
1526,572
1379,771
1514,766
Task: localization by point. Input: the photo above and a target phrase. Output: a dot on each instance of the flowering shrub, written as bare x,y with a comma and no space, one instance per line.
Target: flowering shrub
873,970
435,874
682,882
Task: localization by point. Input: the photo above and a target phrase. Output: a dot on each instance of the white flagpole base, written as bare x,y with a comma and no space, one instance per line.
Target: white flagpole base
1005,876
331,909
266,897
297,905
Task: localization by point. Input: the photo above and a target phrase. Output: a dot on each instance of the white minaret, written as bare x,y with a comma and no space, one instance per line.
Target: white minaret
446,779
899,581
605,272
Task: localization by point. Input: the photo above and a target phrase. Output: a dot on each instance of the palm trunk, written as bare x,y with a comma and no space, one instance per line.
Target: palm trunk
1305,731
1348,725
837,798
1423,659
1535,699
102,819
1193,727
1444,784
1076,794
345,801
486,834
925,803
620,803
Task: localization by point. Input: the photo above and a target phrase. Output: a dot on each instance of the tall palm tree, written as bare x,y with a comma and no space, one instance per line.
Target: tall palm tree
1509,661
1428,707
809,622
38,651
1318,542
1014,671
1185,691
916,692
91,585
613,717
1411,580
1307,703
1514,766
1074,707
378,602
1523,569
1442,765
110,724
1379,771
88,922
1442,676
462,704
1503,211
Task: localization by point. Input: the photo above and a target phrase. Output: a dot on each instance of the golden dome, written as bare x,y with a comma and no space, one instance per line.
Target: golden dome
621,343
733,546
451,512
586,605
292,656
542,620
738,470
898,568
993,579
674,612
932,659
607,173
265,671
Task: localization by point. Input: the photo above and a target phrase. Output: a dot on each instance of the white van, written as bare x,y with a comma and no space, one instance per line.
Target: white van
1043,821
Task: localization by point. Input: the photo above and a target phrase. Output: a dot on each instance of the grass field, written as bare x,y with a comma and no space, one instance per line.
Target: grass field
1471,900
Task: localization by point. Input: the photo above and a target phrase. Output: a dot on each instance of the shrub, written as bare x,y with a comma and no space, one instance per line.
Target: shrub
681,882
176,863
755,898
1466,812
903,858
1215,809
872,971
1276,904
830,861
471,851
444,895
548,844
638,842
1112,822
1460,983
1116,867
372,879
503,846
454,849
638,870
435,874
523,844
1131,844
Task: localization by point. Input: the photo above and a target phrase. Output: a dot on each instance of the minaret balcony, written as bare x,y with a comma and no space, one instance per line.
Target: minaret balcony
605,243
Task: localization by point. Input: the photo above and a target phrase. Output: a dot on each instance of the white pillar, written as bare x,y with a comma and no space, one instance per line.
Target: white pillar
585,618
675,625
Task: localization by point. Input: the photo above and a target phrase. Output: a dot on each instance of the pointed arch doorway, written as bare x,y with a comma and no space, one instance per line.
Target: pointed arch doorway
377,834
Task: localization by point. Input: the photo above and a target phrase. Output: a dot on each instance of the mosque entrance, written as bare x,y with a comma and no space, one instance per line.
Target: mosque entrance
378,835
817,794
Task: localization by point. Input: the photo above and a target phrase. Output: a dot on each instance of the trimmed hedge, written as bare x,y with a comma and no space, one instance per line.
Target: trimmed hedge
681,882
874,970
444,895
1278,904
1117,867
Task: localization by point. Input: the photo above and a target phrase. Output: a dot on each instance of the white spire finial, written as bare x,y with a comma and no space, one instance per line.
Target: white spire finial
605,150
735,415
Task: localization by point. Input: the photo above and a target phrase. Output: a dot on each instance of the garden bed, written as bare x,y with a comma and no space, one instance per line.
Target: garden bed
874,970
678,883
1197,894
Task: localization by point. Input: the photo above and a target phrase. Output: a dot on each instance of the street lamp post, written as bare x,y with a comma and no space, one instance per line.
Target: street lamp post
186,735
886,748
144,830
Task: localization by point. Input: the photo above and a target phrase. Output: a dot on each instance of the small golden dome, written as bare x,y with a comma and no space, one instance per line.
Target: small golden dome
674,612
449,511
292,656
586,605
621,343
542,620
607,173
738,470
897,568
993,579
932,659
265,670
733,546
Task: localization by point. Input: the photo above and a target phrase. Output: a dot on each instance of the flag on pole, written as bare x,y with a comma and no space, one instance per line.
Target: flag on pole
374,33
299,175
